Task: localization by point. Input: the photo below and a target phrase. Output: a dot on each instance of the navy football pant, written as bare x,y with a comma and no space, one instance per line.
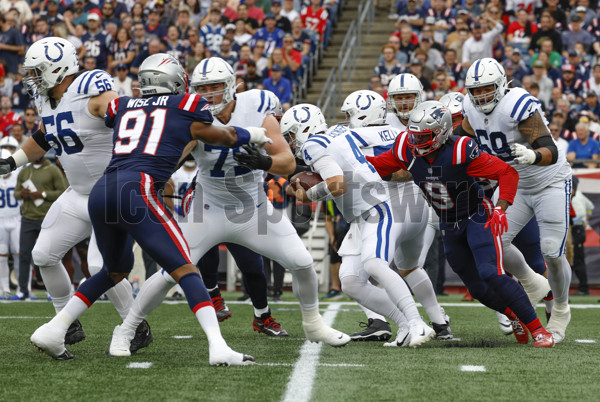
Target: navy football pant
476,257
527,241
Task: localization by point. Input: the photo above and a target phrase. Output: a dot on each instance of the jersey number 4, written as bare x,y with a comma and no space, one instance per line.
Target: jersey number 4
65,139
133,124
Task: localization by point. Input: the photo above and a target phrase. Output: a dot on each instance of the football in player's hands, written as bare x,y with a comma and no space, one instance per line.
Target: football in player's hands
306,180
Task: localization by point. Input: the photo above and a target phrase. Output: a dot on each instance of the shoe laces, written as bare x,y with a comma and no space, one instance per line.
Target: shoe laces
271,323
219,303
363,324
517,327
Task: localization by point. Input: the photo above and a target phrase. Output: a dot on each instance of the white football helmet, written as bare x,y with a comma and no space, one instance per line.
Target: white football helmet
429,127
47,62
405,84
300,122
453,101
215,70
162,73
274,105
9,142
486,71
364,108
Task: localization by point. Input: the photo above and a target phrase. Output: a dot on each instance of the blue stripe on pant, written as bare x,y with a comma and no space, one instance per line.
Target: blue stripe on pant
383,231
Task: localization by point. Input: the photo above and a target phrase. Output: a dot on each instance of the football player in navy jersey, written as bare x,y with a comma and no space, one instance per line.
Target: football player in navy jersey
445,169
150,134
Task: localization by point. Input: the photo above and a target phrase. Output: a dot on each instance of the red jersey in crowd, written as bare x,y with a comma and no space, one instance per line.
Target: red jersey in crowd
315,20
7,121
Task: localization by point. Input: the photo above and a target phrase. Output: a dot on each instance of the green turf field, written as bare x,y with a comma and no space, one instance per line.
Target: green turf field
358,372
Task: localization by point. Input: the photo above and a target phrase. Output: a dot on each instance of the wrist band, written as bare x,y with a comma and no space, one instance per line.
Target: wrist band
318,192
243,136
538,158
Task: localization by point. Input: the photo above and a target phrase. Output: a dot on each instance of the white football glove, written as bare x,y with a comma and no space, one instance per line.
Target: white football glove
522,154
258,136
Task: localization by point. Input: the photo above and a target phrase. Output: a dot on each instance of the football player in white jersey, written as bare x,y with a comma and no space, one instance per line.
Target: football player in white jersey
72,108
363,201
230,205
365,111
510,124
10,225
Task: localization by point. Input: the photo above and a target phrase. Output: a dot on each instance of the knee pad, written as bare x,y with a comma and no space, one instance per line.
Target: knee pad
351,284
42,258
94,269
167,277
550,248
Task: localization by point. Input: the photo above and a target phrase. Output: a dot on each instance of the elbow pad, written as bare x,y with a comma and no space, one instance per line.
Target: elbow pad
40,139
547,142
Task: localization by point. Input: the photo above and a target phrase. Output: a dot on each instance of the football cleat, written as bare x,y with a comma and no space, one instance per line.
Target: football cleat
143,337
446,316
420,333
120,343
402,338
442,331
537,287
542,339
374,330
504,322
228,357
560,318
317,331
267,325
74,333
520,331
50,341
221,308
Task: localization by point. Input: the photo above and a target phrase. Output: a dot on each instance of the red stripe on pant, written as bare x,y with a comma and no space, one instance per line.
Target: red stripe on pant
83,298
202,305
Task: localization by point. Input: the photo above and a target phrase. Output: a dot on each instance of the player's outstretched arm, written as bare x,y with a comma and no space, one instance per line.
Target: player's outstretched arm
98,104
34,148
491,167
544,151
386,163
228,136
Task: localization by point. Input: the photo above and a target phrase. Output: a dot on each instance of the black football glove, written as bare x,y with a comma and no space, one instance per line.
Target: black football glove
254,159
6,167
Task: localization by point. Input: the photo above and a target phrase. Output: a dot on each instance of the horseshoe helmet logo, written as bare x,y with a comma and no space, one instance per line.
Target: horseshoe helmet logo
60,56
307,115
363,107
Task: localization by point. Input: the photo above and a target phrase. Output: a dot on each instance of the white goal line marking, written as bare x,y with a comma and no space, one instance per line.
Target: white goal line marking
585,341
20,317
479,369
183,336
139,365
319,364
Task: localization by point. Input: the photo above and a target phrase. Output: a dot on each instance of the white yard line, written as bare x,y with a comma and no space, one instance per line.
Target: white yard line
300,383
585,341
480,369
183,336
21,317
139,365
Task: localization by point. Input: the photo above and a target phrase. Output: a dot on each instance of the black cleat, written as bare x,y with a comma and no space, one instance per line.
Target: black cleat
375,330
74,334
442,331
221,308
143,337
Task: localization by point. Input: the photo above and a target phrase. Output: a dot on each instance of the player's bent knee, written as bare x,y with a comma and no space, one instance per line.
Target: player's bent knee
117,276
43,258
351,284
183,270
550,248
405,272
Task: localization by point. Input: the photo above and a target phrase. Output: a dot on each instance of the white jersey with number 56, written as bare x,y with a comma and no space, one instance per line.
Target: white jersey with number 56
82,142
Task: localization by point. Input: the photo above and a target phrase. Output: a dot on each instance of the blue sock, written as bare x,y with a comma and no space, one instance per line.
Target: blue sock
195,291
514,296
96,285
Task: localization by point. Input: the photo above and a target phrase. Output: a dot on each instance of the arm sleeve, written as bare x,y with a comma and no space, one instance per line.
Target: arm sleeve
490,167
386,163
327,167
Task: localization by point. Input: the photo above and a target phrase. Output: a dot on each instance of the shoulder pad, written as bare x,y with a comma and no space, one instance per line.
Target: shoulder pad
93,83
465,150
314,148
522,106
197,105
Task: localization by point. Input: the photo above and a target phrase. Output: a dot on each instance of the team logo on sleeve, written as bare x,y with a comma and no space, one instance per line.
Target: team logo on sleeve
475,153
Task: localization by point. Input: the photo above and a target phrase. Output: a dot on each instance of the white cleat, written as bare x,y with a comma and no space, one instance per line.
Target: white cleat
319,332
50,341
420,333
560,318
120,342
537,287
402,338
228,357
446,316
505,324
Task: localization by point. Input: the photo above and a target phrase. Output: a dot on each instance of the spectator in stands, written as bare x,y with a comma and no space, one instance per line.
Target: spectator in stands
122,50
270,34
480,44
521,69
54,12
140,38
453,68
582,68
390,66
509,68
456,41
291,56
6,83
472,8
302,41
416,69
401,57
196,11
194,58
192,37
108,14
434,57
561,143
583,208
226,54
183,23
252,25
289,11
18,133
240,65
591,104
442,84
521,30
8,117
282,22
414,15
575,34
583,147
314,18
30,122
540,76
255,12
584,10
12,45
571,86
546,31
137,13
175,46
154,27
154,47
213,32
554,57
258,56
241,35
277,59
122,80
89,63
39,184
552,6
280,86
227,12
252,80
96,41
442,16
230,34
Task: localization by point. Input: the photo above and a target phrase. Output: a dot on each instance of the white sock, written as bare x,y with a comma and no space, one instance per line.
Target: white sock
395,287
310,316
371,315
372,299
64,318
58,284
207,317
559,277
151,294
258,312
419,282
4,270
305,286
121,296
